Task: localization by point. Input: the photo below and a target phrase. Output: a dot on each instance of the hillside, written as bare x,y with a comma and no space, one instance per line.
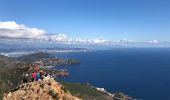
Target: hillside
46,59
33,57
10,73
85,91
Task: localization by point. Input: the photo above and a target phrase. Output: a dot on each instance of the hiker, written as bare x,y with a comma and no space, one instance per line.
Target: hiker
42,74
47,77
34,75
32,79
38,76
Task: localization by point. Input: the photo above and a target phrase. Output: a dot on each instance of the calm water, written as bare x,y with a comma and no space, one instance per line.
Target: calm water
140,73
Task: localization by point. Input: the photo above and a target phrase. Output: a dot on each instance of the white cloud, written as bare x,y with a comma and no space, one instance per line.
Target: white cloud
90,41
10,25
124,41
99,40
11,29
58,38
153,41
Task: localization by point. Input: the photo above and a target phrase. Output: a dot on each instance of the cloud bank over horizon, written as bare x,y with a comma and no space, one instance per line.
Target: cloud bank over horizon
13,30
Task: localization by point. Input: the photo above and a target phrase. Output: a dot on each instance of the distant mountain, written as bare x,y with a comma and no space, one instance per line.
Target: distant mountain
33,57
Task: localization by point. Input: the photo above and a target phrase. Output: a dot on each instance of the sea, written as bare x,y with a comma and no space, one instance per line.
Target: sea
142,73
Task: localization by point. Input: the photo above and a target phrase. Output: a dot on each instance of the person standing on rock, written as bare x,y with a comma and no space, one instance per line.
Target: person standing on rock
38,76
34,75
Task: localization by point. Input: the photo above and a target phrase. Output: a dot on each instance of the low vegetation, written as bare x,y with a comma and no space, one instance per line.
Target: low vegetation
85,91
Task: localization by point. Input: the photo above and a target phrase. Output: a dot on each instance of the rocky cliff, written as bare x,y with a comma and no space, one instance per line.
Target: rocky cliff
47,89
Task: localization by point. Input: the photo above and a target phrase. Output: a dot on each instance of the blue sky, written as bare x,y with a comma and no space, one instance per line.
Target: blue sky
139,20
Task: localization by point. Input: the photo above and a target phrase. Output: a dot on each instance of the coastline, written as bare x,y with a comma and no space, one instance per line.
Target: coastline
21,53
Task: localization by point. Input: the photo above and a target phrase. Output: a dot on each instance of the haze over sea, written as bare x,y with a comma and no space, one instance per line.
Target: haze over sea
143,73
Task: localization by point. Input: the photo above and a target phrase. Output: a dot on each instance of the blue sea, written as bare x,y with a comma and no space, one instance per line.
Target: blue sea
142,73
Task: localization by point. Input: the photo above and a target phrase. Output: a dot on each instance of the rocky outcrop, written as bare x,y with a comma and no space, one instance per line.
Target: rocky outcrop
47,89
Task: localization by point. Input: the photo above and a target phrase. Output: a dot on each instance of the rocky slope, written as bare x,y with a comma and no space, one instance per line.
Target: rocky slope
47,89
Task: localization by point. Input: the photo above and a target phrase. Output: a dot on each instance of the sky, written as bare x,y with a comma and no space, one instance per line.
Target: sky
92,21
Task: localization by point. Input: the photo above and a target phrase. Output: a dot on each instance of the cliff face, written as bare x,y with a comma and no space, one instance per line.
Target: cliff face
47,89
